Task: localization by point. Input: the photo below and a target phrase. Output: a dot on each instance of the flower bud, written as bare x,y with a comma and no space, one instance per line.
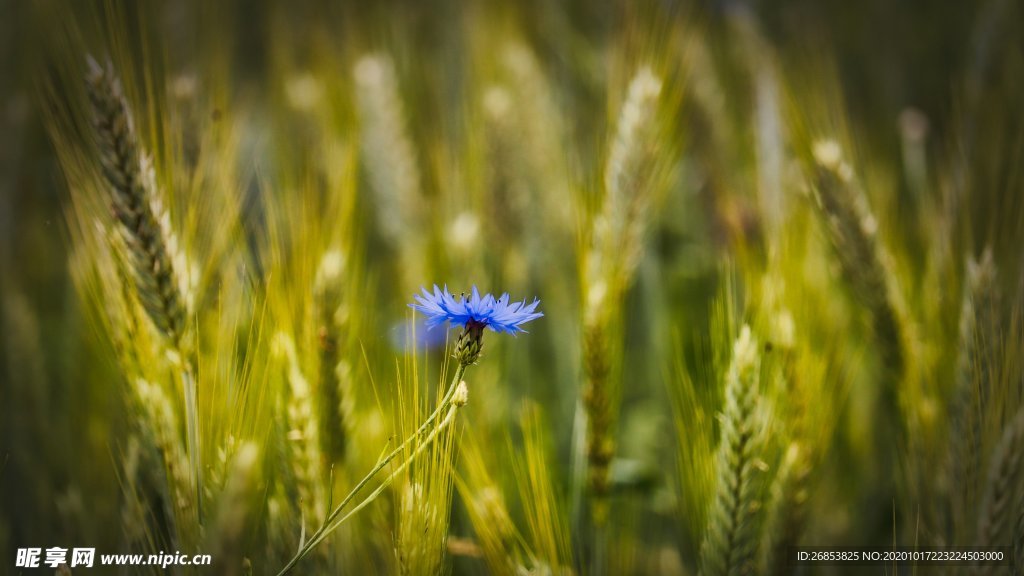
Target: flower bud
461,396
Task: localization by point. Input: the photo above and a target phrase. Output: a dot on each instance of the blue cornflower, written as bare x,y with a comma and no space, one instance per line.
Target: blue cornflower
475,313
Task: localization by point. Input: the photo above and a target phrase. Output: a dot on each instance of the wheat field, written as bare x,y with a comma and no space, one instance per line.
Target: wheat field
532,288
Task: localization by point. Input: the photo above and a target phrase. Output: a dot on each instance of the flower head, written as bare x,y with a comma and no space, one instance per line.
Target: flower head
475,312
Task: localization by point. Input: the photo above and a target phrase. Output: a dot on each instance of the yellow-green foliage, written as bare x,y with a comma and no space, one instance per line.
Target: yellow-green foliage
778,261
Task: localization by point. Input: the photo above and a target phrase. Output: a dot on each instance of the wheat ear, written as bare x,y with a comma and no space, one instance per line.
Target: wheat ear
389,157
973,385
853,232
630,182
335,399
631,177
786,516
1001,503
302,435
151,247
163,425
730,544
864,266
136,206
233,512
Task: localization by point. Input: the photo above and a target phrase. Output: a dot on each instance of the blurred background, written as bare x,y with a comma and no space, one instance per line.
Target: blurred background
841,177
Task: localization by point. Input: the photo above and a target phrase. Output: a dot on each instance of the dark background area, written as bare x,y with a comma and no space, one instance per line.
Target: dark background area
957,62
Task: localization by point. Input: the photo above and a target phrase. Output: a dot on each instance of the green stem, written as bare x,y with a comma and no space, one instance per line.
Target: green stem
600,552
192,434
316,539
330,523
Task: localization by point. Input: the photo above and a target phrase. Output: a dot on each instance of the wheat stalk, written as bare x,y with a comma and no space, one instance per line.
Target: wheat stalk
549,542
630,186
422,533
429,431
151,509
730,543
600,445
150,244
864,266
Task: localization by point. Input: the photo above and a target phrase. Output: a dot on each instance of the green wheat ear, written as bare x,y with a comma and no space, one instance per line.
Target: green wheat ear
631,182
303,437
785,518
979,317
866,270
853,232
487,509
335,404
163,424
234,512
632,177
730,543
389,155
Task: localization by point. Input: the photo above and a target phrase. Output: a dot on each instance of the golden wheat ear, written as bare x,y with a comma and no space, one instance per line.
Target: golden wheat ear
136,205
